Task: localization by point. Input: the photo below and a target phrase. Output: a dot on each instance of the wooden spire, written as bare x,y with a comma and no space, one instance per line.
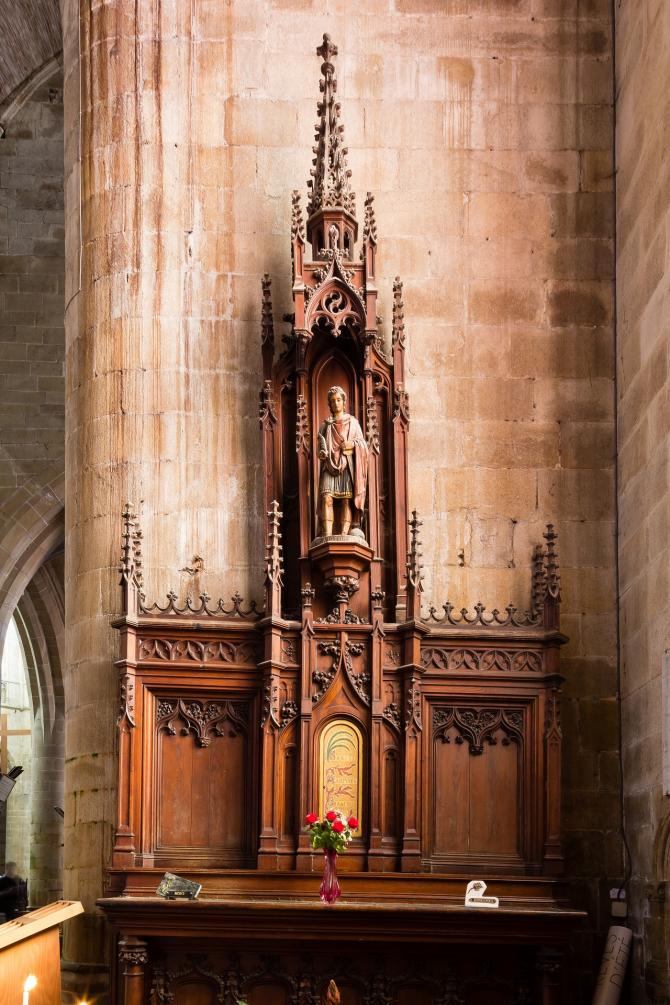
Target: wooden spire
329,186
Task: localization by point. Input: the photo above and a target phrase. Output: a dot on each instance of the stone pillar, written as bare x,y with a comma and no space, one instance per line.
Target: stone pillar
161,388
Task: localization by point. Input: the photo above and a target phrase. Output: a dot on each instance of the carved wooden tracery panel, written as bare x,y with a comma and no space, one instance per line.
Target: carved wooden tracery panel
204,719
477,726
201,780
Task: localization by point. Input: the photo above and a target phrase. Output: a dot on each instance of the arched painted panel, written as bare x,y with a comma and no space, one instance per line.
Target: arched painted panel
341,768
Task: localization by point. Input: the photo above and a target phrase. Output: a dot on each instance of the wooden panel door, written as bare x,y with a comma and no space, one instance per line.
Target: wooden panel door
202,783
476,784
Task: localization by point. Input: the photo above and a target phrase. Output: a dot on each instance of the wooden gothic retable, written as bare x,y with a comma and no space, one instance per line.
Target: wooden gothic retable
440,732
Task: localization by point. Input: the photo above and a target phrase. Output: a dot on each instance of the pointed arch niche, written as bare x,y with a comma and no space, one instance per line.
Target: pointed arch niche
33,707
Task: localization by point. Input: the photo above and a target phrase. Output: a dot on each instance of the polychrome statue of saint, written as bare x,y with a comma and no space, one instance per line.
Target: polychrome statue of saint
343,475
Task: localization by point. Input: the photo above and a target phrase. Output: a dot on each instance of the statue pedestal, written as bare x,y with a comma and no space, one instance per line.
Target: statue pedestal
341,556
341,560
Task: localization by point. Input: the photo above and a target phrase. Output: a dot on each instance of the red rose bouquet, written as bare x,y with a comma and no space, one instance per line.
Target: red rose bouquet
332,834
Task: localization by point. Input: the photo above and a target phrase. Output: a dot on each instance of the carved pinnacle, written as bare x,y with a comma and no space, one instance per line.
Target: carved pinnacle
329,185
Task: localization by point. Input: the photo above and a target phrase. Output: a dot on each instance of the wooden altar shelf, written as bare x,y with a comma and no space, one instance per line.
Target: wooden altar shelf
541,893
278,923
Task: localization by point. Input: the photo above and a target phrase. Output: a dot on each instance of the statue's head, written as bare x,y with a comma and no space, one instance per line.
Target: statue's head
333,394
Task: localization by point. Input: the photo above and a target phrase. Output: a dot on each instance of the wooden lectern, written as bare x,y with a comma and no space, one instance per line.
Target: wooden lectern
29,947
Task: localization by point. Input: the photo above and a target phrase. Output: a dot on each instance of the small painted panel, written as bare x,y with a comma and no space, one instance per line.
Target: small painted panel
341,769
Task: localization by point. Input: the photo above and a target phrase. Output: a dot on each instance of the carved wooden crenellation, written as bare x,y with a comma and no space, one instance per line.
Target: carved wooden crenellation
225,707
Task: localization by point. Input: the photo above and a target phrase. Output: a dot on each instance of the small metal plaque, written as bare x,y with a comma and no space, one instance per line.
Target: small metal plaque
172,886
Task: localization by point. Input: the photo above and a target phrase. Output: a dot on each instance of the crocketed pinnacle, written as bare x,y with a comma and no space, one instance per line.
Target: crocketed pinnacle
329,186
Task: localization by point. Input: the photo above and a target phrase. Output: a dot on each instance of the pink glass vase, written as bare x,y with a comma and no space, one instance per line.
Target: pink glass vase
330,887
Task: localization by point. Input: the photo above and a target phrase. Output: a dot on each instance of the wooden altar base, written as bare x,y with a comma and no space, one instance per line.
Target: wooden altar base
266,937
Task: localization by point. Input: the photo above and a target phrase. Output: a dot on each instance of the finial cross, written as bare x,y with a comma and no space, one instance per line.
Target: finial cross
327,49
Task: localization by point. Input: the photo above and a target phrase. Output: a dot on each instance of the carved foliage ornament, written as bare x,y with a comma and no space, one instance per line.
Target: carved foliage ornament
266,407
392,714
552,725
413,705
289,650
133,956
371,423
204,719
483,660
267,327
322,679
477,726
126,699
302,437
281,716
174,650
401,405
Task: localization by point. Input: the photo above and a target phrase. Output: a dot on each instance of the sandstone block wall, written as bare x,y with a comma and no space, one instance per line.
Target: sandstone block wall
484,130
32,355
32,352
643,331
